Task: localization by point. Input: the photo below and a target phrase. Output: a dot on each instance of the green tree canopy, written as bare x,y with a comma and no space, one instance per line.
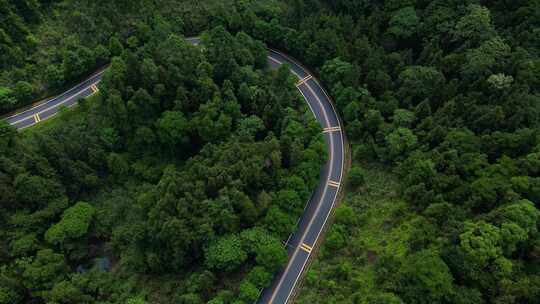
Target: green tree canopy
225,254
74,224
425,278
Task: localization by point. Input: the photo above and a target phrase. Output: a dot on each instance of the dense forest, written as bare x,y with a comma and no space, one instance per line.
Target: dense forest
46,46
444,94
186,157
176,184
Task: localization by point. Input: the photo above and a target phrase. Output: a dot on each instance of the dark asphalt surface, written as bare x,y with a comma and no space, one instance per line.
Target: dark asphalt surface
50,107
323,199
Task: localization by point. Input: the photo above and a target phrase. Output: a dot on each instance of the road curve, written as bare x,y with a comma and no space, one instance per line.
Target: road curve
318,209
312,222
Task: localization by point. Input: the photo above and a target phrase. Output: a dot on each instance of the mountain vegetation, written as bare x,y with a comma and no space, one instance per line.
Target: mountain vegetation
444,97
193,163
176,184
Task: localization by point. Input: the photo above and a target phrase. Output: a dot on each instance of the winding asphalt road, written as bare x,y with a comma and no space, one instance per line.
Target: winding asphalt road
312,222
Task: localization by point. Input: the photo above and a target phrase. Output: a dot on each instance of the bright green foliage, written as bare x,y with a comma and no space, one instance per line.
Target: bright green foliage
481,242
424,278
74,224
225,254
500,81
268,250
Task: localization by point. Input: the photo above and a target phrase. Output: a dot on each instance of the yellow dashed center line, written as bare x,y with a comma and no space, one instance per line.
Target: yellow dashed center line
306,248
331,129
303,80
333,184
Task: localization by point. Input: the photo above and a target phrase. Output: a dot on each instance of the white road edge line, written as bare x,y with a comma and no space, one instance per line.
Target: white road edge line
54,106
309,105
55,97
322,196
324,113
